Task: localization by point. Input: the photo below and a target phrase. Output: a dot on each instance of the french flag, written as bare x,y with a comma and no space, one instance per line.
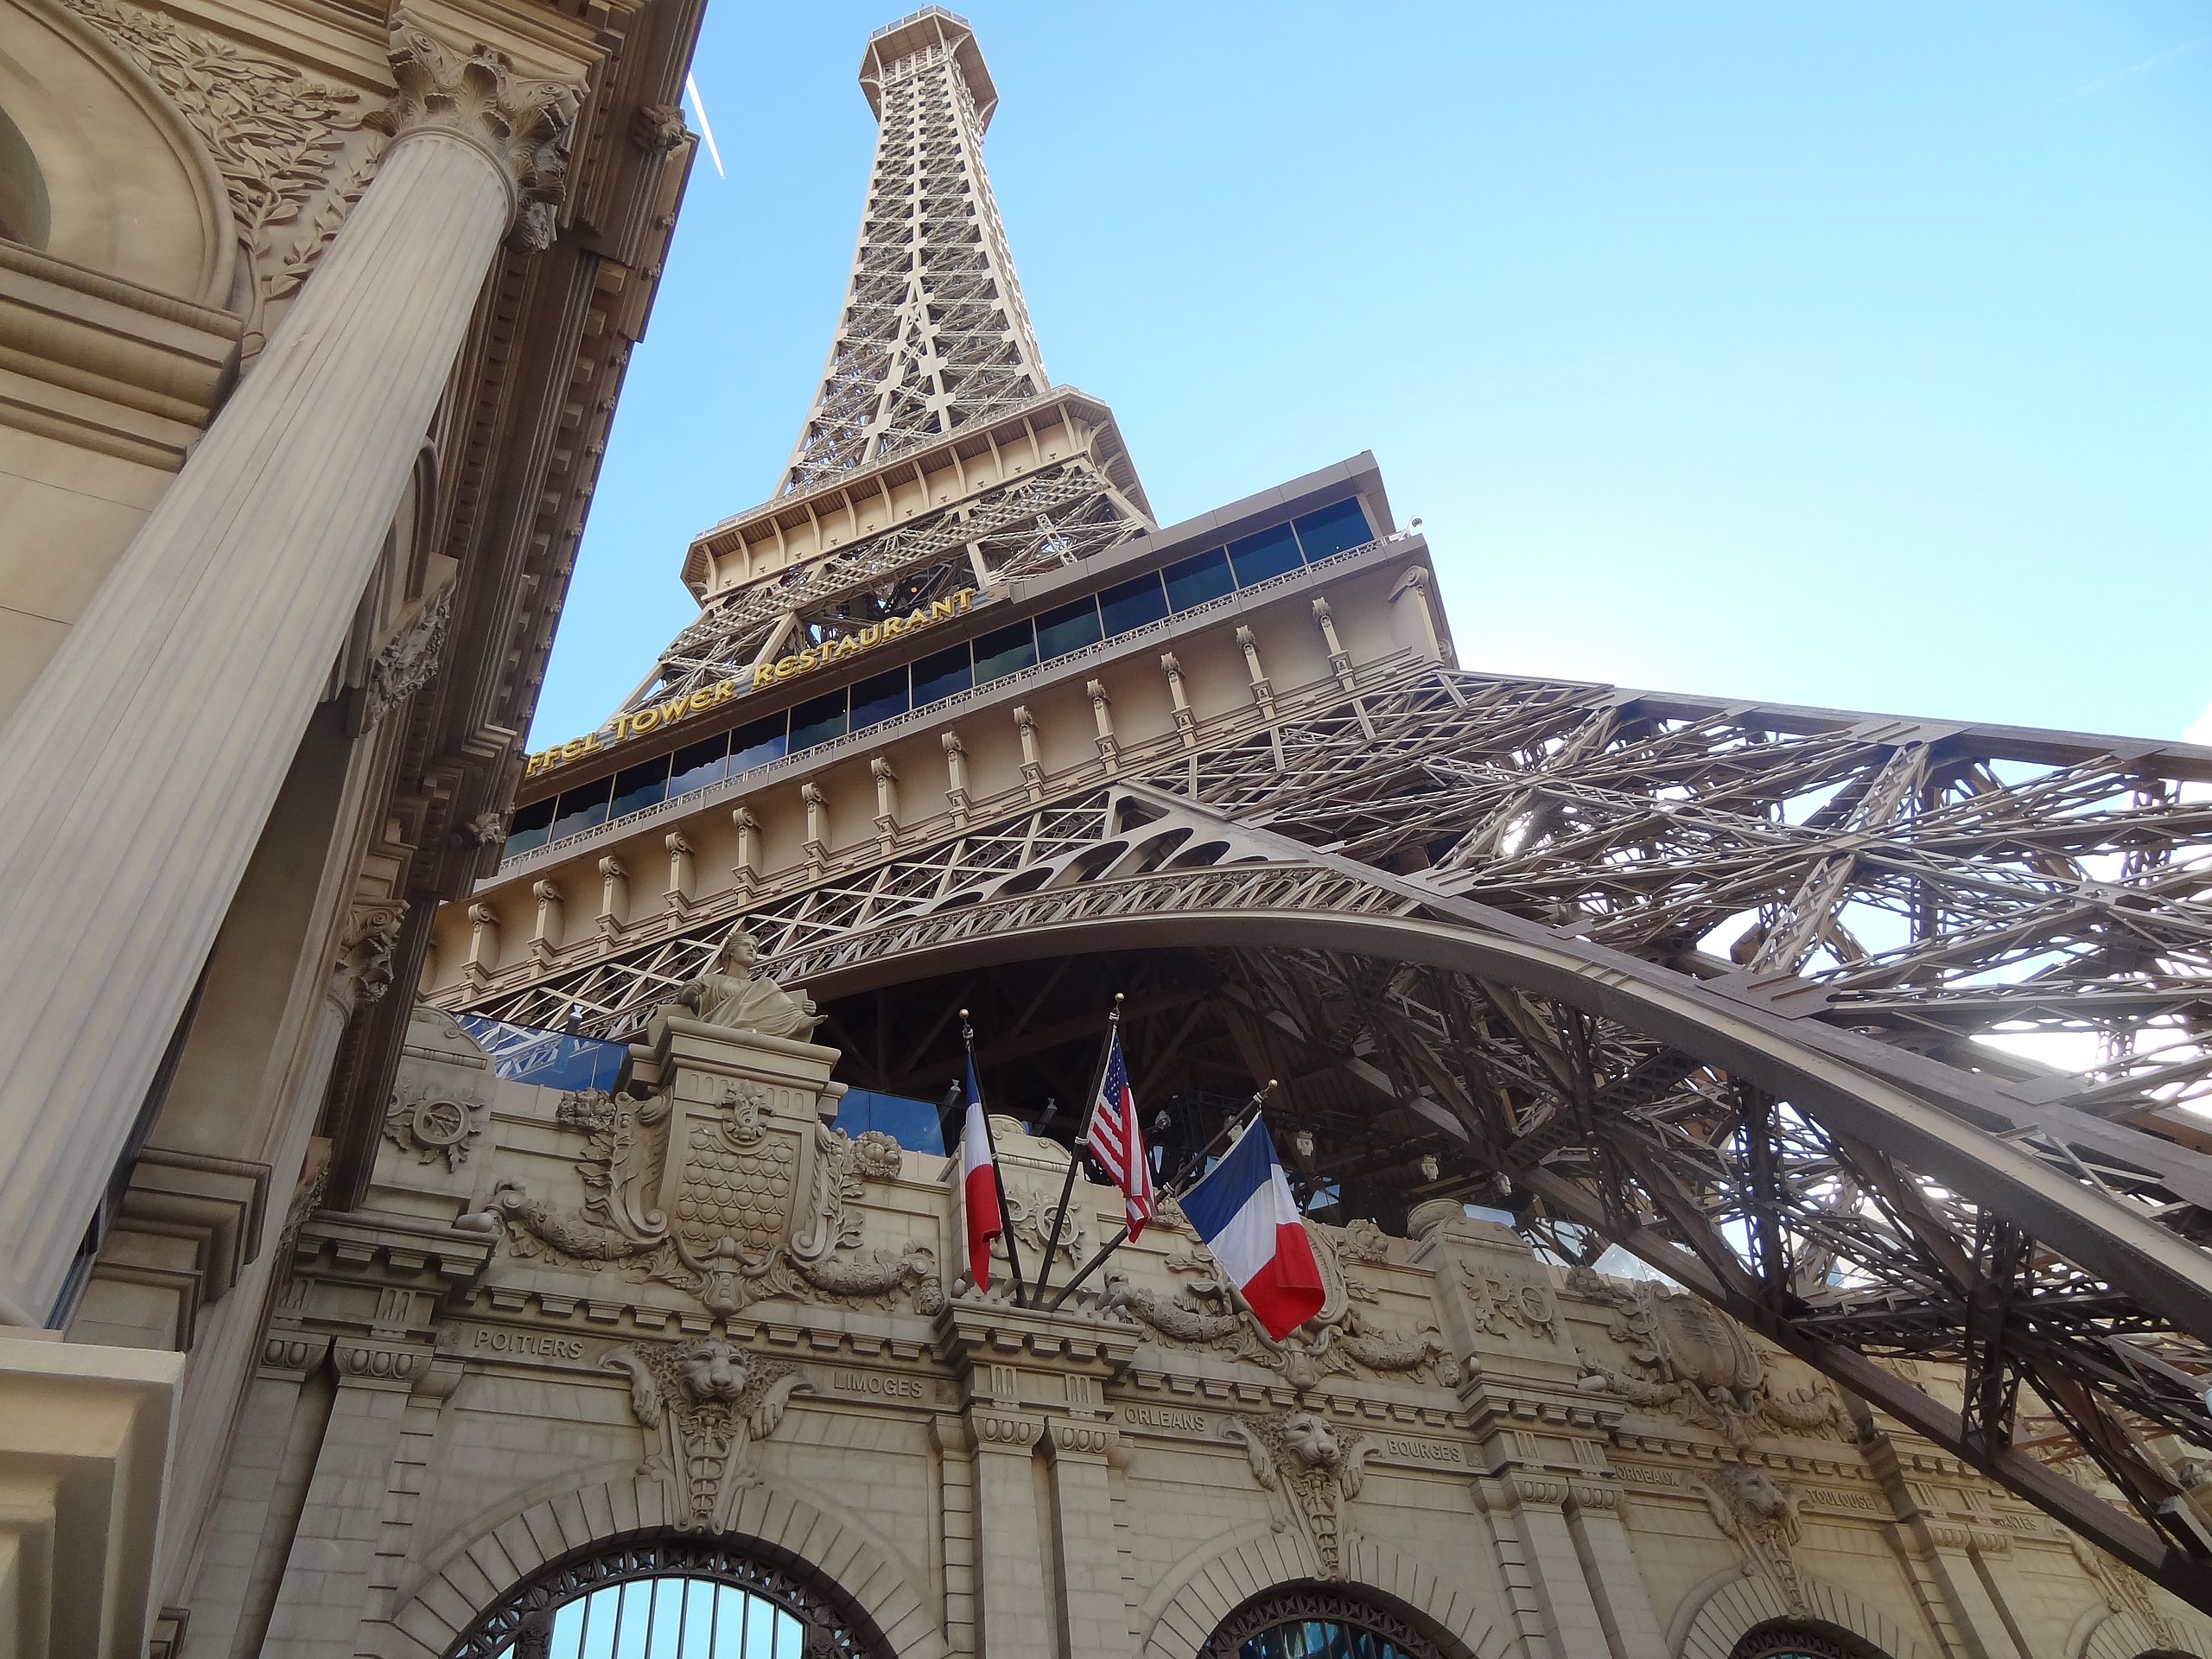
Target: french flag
979,1184
1243,1211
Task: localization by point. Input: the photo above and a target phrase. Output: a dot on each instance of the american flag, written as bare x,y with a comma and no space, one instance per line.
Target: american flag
1115,1141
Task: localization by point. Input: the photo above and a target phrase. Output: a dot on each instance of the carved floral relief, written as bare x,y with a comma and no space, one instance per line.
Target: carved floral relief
1690,1359
1349,1335
275,134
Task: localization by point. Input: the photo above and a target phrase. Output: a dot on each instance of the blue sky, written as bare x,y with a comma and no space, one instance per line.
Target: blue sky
1857,355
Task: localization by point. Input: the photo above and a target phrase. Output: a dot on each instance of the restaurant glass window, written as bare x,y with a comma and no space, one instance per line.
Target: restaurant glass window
1006,652
638,787
757,744
1271,552
531,828
944,674
1069,628
1196,580
698,765
581,808
1332,529
877,700
1128,606
820,720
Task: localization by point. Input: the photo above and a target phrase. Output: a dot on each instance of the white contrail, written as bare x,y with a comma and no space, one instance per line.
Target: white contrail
699,109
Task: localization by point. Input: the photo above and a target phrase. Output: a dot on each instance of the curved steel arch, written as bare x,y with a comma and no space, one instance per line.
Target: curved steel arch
1945,1126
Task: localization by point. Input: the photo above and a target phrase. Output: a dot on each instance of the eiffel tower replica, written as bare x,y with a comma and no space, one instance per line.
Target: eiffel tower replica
1887,1035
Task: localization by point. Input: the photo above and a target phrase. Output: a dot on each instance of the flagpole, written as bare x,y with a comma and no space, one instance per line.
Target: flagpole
1183,1184
1075,1152
998,1171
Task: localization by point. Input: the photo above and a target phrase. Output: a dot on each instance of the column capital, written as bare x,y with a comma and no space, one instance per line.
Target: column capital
521,125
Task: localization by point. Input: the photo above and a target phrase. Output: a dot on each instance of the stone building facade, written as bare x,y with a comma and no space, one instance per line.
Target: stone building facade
683,1320
312,321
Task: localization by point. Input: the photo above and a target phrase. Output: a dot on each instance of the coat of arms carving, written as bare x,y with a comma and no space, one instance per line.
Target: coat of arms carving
728,1183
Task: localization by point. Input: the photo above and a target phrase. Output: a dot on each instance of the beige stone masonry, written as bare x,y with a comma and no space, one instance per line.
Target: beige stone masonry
169,714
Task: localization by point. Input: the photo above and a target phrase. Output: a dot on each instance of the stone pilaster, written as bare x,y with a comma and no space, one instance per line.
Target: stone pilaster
1616,1590
143,763
333,1559
1094,1618
1046,1580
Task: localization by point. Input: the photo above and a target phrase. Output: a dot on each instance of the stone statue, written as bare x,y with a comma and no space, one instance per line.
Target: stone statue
735,994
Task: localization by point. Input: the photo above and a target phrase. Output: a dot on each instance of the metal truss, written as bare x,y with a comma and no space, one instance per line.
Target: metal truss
1041,522
1886,1036
934,332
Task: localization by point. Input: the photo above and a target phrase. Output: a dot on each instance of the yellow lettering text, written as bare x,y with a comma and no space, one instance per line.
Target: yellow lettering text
700,699
573,748
765,674
724,690
941,610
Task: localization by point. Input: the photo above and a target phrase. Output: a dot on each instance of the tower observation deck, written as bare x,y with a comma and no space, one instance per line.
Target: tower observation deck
1887,1035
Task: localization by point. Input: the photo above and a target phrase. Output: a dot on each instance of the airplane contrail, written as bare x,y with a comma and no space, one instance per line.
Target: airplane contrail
699,109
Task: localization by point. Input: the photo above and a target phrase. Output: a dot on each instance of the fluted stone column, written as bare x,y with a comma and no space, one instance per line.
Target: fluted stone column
139,770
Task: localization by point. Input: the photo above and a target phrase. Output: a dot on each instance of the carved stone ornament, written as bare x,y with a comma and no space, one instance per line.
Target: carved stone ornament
657,128
737,995
363,966
433,1125
522,125
410,660
1346,1336
274,134
1695,1362
1499,1301
728,1199
704,1405
1309,1470
1756,1511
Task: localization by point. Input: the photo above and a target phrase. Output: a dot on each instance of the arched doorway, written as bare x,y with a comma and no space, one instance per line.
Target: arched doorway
1801,1639
1316,1621
673,1594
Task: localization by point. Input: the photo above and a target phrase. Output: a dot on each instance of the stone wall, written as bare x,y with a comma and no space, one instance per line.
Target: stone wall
562,1319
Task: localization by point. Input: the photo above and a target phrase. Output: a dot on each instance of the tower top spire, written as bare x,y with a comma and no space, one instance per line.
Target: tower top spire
934,334
918,32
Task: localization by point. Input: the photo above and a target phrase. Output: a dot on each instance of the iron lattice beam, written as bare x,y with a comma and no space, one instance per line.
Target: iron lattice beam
1718,981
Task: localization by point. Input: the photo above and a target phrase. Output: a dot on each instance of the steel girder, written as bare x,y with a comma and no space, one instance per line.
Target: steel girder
1714,981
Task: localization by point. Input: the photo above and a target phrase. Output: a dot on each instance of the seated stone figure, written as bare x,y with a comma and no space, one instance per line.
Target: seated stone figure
735,994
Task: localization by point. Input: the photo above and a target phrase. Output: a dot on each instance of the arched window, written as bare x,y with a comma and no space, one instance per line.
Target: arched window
670,1596
1315,1621
1797,1639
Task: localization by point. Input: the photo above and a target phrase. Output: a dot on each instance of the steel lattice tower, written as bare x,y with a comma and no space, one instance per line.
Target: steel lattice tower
934,334
1754,990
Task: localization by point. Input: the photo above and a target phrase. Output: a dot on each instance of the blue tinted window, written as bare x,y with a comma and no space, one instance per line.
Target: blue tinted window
879,699
1069,628
1006,652
581,809
1269,553
912,1123
638,787
821,720
756,745
1131,604
944,675
531,828
1195,581
1332,529
697,765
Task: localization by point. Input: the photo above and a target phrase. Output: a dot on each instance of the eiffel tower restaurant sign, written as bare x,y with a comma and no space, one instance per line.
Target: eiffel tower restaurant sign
658,716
